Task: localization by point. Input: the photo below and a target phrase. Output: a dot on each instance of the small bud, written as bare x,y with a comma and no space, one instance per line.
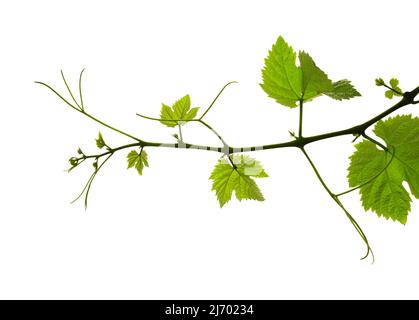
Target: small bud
79,151
95,164
73,161
100,142
175,136
379,82
292,134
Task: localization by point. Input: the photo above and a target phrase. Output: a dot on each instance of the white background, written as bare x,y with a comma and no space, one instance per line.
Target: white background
163,235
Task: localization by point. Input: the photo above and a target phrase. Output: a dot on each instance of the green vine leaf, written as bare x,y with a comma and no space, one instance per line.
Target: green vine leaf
386,194
282,79
394,83
314,81
138,160
100,142
389,94
239,179
288,83
180,110
342,90
395,89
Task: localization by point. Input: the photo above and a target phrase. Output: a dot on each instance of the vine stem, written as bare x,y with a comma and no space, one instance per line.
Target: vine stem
180,132
392,89
188,120
215,132
339,203
110,151
325,186
111,127
374,141
408,98
300,125
82,111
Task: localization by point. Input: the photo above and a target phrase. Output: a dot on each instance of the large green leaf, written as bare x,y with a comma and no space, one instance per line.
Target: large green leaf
288,83
386,194
282,79
239,179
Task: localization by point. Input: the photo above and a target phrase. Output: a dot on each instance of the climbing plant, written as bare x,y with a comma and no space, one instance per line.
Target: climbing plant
384,168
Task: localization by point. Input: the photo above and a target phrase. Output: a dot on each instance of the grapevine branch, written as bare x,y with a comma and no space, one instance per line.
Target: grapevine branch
299,141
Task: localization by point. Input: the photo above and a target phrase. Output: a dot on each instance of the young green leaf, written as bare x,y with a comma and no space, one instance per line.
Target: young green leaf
395,89
180,110
100,143
314,81
342,90
282,79
394,83
395,86
137,160
386,194
389,94
239,179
